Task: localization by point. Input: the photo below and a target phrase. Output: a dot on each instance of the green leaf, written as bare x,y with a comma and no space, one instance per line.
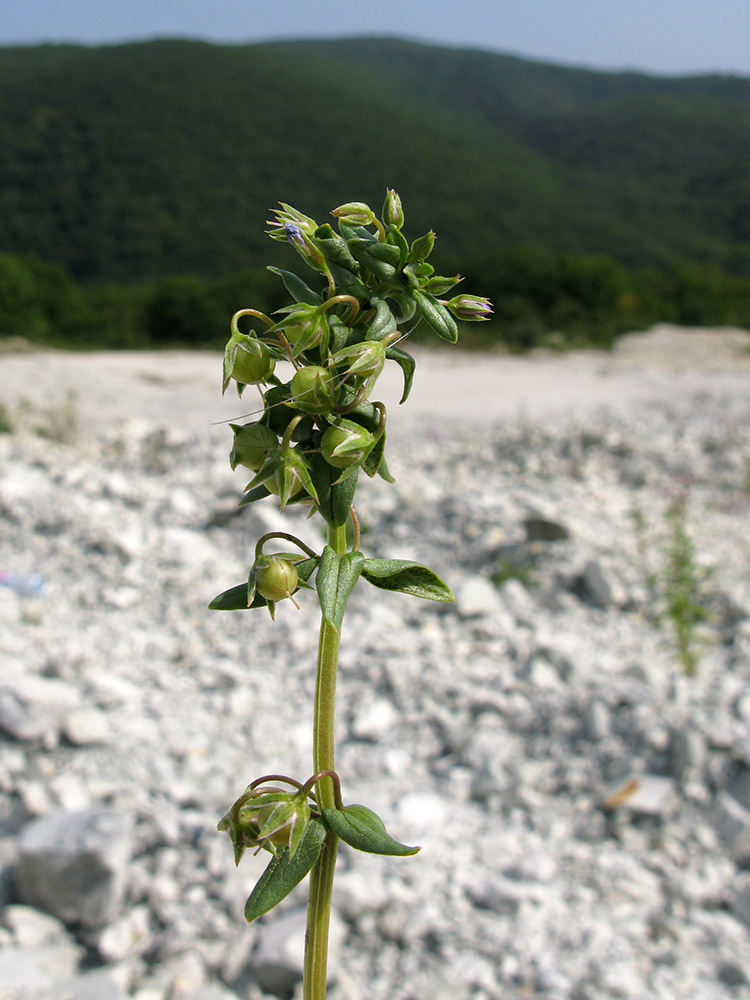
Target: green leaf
362,829
334,498
235,599
407,364
348,282
336,579
382,323
284,873
373,461
407,578
436,315
256,493
297,288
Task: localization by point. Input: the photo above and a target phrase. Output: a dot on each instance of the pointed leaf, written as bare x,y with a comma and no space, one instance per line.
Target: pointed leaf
436,316
336,579
256,493
372,463
407,578
382,323
297,288
284,873
407,364
362,829
334,498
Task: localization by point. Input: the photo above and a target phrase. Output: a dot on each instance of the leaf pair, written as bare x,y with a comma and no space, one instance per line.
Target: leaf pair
356,825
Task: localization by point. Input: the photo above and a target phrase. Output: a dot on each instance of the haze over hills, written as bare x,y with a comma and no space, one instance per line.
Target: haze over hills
128,163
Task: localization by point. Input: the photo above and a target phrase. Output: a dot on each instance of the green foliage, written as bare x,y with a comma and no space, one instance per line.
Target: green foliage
586,203
684,586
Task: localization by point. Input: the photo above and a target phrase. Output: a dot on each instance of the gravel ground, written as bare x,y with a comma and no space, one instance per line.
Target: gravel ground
583,804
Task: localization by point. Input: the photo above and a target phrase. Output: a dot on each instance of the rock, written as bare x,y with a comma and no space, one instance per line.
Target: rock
647,794
85,727
35,972
477,596
130,935
31,929
422,810
518,601
543,529
19,720
731,974
96,984
601,586
732,823
371,722
74,865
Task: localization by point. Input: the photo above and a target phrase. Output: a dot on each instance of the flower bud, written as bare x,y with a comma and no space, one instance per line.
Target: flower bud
469,308
275,578
346,443
393,213
354,213
422,247
252,443
313,390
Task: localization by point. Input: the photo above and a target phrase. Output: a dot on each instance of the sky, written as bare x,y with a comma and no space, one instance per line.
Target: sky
657,36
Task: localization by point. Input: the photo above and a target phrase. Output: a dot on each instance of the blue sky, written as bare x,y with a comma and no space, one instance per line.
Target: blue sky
659,36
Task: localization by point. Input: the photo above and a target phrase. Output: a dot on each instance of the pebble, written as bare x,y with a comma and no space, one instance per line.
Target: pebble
493,732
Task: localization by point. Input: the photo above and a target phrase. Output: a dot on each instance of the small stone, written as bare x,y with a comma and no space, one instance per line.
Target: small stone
602,588
543,529
30,928
130,935
33,972
731,974
647,794
732,823
97,984
74,865
373,721
598,720
20,720
421,810
518,601
86,726
477,596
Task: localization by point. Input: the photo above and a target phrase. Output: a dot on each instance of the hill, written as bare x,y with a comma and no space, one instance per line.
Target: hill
129,163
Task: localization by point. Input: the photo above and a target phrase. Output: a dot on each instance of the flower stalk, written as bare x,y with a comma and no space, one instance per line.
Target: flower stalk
318,432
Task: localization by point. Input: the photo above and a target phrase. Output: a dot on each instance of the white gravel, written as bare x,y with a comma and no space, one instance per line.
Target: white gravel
582,804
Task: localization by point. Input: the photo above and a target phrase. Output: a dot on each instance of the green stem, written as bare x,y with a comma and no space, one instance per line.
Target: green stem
321,877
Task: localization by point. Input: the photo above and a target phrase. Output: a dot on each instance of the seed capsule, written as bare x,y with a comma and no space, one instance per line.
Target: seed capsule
276,579
252,443
312,390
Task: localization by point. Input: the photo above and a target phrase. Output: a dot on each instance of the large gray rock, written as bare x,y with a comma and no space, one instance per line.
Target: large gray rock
74,865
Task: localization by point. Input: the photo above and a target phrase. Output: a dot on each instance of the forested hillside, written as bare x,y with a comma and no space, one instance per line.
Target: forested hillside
579,200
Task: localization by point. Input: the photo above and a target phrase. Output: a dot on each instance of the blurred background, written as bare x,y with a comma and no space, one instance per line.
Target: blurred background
586,164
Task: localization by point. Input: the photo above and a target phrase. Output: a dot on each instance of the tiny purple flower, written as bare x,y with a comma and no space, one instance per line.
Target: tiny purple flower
293,233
